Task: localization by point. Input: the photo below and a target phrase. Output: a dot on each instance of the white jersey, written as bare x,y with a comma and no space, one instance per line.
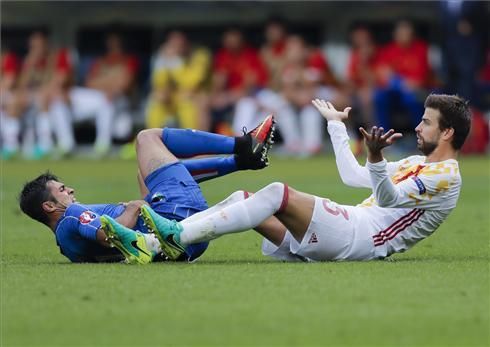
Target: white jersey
410,199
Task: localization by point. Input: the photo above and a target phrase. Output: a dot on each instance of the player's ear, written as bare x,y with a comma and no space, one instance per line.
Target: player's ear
448,133
48,206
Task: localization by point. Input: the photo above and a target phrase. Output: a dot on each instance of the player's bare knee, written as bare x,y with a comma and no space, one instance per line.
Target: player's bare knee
147,137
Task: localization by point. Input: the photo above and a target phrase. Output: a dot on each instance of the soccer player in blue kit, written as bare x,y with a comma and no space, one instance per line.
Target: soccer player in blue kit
105,232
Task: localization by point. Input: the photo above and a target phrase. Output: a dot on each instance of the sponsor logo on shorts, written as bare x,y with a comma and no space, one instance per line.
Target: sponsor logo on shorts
86,217
313,238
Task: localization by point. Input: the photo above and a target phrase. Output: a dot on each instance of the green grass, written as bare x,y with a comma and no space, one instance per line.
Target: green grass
437,294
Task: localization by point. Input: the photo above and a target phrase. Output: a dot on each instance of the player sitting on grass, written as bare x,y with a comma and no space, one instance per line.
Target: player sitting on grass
410,199
85,233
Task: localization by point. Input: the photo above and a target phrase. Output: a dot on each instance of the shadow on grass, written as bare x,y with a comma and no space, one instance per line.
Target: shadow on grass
267,261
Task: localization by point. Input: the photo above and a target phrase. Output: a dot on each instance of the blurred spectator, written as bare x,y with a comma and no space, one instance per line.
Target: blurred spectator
465,26
250,109
114,74
178,78
11,107
361,74
44,75
305,76
238,72
403,75
47,80
273,50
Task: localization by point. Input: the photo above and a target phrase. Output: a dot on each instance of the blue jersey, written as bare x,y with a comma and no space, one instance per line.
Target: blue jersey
76,233
172,193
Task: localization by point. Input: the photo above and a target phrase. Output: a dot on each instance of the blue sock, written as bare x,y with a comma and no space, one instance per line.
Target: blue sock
208,168
186,143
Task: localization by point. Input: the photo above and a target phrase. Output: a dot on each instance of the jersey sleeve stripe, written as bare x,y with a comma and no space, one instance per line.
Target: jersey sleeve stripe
398,228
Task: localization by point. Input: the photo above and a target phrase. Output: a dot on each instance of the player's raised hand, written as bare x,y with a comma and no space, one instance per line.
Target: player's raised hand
328,111
377,139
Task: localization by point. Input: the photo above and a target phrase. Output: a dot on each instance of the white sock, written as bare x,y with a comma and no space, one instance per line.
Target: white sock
43,131
240,216
10,130
152,243
239,195
60,115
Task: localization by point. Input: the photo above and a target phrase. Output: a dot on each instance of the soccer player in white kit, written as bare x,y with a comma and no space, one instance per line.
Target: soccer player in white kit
410,198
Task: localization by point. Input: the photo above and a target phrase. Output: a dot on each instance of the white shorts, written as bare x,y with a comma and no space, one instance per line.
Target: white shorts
334,233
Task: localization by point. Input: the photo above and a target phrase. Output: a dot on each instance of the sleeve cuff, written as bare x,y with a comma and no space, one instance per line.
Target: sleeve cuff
377,167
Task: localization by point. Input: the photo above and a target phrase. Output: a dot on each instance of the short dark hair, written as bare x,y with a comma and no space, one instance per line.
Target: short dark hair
33,194
455,113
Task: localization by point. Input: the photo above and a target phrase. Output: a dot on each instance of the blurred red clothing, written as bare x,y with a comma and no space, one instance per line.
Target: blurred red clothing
410,63
62,61
485,71
57,64
59,61
278,48
360,70
111,61
317,61
10,64
314,70
239,66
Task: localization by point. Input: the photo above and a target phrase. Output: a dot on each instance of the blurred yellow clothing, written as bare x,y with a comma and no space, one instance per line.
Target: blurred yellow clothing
179,79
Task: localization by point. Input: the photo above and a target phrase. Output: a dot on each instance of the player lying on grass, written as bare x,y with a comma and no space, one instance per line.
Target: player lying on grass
85,233
410,199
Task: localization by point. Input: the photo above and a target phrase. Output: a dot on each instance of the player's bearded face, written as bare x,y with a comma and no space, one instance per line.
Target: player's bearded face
427,146
428,132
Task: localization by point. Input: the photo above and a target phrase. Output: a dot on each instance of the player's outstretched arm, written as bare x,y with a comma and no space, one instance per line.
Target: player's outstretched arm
328,111
351,173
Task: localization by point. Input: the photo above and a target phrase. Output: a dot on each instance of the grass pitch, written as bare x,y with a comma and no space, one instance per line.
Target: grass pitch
437,294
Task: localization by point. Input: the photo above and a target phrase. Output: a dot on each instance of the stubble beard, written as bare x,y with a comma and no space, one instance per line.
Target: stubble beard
427,147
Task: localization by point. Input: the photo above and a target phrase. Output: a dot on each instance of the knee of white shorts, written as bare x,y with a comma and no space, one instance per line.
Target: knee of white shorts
283,251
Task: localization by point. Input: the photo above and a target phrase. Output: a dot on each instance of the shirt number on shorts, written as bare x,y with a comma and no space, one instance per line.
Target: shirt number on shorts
335,210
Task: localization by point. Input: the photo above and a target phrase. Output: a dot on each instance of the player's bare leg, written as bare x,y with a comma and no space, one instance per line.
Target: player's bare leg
151,152
297,214
272,229
142,186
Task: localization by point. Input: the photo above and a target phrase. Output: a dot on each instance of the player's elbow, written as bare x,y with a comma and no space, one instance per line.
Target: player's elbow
387,203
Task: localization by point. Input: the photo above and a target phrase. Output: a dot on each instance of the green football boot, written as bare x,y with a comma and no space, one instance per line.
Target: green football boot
131,243
167,232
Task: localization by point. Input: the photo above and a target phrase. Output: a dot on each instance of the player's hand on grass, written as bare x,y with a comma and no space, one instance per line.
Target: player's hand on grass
376,140
136,204
328,111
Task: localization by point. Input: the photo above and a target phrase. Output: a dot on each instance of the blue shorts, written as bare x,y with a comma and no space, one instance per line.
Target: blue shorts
174,194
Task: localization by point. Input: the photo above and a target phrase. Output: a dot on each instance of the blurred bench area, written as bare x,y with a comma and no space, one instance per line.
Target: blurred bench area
84,77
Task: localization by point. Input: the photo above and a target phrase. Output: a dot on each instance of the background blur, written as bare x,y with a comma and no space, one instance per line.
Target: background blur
83,77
